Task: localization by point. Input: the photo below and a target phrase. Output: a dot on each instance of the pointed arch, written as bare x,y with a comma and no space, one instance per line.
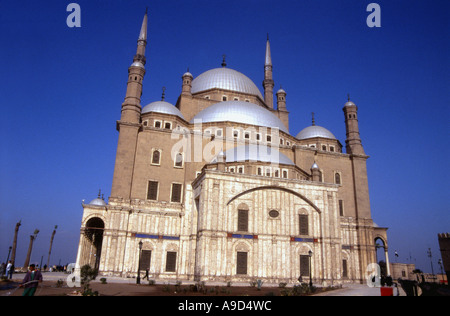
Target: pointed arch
272,187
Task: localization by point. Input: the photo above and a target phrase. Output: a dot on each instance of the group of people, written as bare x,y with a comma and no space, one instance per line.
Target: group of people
7,269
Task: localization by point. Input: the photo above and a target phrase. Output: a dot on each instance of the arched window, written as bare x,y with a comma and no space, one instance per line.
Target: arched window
259,172
241,262
156,157
242,217
337,178
179,160
303,223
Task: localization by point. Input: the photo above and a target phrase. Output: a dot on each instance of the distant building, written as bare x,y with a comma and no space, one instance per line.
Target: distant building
216,187
444,245
403,271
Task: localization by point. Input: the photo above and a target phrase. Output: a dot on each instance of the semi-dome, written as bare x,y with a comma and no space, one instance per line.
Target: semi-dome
240,112
254,152
162,107
224,78
315,131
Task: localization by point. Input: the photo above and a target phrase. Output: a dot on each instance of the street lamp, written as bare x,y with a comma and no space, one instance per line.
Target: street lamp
138,279
431,261
310,253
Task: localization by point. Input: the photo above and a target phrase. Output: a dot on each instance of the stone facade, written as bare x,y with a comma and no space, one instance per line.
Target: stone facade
201,215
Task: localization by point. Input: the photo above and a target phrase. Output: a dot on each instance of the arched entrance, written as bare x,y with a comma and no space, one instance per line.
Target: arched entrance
92,242
381,252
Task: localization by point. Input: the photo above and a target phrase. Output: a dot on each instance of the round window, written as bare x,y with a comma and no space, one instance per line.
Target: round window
274,213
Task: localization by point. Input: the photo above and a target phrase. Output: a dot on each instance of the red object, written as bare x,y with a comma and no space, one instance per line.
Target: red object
387,291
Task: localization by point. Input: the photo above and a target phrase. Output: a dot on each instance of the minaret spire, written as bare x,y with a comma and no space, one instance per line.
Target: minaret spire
142,41
131,107
268,80
268,55
143,33
129,123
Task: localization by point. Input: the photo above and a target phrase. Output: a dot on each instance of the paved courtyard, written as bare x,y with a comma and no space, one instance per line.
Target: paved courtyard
117,286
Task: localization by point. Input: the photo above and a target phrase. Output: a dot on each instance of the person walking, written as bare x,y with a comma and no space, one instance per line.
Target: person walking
146,275
31,280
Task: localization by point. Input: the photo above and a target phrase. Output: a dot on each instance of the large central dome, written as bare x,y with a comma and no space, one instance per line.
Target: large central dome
224,78
240,112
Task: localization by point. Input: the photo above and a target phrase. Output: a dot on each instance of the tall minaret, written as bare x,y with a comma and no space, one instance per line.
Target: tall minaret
268,80
131,107
353,141
129,123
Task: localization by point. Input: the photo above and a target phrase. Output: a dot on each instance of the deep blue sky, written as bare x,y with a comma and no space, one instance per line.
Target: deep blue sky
61,91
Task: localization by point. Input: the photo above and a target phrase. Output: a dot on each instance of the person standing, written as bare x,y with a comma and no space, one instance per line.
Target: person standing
9,269
31,280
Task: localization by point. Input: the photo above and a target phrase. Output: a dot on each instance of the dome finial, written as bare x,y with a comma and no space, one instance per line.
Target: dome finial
224,64
313,121
349,103
163,96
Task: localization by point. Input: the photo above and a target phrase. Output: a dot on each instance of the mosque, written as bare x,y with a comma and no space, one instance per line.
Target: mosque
216,188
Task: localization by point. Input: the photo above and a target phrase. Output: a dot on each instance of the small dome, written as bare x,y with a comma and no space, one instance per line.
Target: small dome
350,103
227,79
162,107
314,166
97,201
240,112
315,131
255,153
